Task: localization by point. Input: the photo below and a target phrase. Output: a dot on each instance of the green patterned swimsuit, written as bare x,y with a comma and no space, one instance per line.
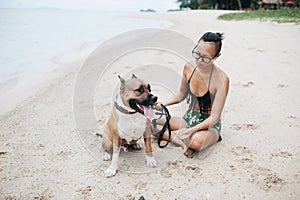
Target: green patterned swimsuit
193,117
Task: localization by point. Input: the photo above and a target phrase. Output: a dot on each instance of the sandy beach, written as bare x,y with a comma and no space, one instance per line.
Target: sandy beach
48,147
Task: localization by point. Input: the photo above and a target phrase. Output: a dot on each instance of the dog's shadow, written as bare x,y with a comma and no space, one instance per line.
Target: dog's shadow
134,161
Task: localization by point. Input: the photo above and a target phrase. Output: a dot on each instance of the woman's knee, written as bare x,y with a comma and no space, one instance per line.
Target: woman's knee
203,139
197,141
177,123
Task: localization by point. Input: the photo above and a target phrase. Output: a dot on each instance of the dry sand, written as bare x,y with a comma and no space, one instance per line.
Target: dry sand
44,154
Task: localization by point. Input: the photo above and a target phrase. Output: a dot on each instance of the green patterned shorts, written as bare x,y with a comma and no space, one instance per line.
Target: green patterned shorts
192,118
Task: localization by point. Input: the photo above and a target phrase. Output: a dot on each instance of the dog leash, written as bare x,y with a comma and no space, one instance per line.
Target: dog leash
165,126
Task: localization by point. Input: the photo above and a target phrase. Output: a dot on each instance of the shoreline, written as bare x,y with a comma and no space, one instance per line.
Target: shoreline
19,85
42,154
22,93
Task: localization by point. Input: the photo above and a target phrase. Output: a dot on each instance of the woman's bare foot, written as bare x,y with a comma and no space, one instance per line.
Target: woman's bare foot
175,139
189,153
184,143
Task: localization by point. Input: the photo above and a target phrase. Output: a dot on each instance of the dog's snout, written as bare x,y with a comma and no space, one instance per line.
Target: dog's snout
152,98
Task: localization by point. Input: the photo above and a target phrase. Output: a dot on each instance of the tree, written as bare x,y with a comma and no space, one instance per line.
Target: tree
218,4
240,5
192,4
183,3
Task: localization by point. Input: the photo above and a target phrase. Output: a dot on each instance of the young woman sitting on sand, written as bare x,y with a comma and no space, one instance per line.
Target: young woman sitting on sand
205,86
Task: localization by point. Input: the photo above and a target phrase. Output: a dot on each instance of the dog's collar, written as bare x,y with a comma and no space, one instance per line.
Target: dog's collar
123,110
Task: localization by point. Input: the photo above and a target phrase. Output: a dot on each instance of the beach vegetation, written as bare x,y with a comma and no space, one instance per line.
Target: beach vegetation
238,4
279,15
218,4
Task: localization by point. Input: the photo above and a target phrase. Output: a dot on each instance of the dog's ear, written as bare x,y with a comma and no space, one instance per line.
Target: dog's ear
133,76
122,86
121,79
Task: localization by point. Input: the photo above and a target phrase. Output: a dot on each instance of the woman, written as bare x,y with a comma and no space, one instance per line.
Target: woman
205,86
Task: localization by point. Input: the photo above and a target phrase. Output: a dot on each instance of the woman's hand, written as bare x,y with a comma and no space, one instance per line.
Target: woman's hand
158,106
185,133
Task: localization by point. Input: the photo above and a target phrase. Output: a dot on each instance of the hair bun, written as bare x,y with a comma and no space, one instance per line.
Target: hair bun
220,35
212,37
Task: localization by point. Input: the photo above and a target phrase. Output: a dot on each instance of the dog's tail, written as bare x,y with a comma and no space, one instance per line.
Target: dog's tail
99,135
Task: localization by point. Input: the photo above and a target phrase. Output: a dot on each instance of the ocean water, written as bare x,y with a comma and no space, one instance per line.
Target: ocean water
35,41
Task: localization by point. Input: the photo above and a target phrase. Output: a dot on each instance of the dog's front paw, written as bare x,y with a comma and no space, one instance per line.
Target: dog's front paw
151,162
106,156
110,172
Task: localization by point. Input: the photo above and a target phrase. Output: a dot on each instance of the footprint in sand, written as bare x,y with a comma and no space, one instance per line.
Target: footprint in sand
245,156
240,150
192,169
297,177
86,191
248,84
255,49
245,126
282,154
263,178
173,165
292,121
140,185
260,50
266,180
128,67
183,169
282,85
165,173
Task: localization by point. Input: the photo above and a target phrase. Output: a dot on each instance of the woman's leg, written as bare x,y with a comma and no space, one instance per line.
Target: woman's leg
175,124
196,142
202,139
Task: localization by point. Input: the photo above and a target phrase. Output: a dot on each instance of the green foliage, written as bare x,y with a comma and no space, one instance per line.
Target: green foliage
281,15
217,4
192,4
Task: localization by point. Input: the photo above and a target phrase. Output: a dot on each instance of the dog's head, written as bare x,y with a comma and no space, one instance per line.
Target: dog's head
136,94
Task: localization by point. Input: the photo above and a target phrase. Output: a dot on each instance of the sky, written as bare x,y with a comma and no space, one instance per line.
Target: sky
105,5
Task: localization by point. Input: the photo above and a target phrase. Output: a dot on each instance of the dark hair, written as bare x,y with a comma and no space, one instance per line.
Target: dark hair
213,37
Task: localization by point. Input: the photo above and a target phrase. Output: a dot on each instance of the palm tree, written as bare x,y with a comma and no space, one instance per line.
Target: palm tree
199,3
240,5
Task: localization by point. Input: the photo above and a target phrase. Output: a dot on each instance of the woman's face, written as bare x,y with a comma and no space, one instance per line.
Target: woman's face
204,53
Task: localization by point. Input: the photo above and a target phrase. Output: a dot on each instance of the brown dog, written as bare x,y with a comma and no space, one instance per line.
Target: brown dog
130,119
